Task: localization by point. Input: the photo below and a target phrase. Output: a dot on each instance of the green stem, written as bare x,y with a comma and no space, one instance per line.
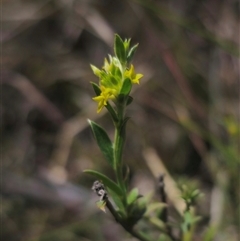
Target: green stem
118,159
118,148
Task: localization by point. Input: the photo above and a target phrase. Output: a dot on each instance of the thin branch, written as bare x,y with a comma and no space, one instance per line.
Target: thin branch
137,234
161,190
164,215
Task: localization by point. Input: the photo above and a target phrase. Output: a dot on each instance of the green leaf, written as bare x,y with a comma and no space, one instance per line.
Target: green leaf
129,100
96,88
103,141
142,202
116,72
118,201
119,49
127,44
95,70
131,53
132,196
126,174
189,220
126,87
155,207
158,223
195,193
112,112
121,98
106,181
135,214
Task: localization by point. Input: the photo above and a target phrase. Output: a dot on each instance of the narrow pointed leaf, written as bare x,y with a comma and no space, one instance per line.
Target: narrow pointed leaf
158,223
96,88
126,87
118,201
155,207
119,49
132,196
129,100
131,53
112,112
127,175
103,141
95,70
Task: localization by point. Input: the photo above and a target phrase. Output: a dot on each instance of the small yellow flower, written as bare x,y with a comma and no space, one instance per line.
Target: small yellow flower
106,94
132,75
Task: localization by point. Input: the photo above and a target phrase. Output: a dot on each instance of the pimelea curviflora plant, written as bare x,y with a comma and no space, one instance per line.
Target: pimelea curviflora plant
116,78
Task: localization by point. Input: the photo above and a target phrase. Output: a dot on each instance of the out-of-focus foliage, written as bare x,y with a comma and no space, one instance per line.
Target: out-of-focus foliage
186,109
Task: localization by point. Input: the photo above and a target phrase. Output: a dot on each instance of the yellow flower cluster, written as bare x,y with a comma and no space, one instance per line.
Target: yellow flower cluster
112,79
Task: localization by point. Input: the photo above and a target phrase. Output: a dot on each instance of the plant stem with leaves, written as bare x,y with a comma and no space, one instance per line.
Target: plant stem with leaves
113,92
116,78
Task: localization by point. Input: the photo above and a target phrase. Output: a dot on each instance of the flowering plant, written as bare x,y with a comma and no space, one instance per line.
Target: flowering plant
116,78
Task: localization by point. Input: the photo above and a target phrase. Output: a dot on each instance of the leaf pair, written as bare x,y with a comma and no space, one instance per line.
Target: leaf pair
122,51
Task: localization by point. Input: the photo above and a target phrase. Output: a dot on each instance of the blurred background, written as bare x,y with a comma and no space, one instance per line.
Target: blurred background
185,111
